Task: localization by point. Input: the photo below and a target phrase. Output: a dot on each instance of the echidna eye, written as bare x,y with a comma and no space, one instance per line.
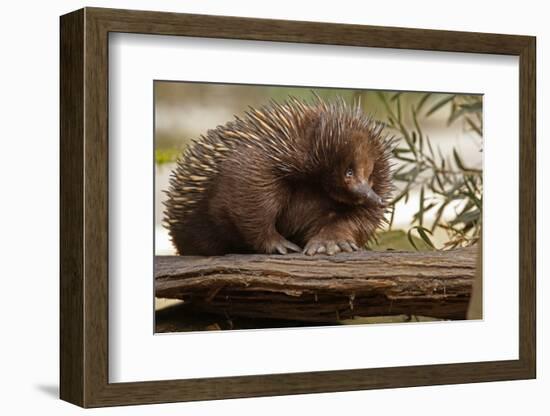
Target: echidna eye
349,173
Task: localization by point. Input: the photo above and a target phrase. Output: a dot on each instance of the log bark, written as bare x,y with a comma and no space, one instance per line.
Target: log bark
322,288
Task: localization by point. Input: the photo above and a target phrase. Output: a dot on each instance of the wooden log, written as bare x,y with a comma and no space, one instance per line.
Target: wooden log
322,288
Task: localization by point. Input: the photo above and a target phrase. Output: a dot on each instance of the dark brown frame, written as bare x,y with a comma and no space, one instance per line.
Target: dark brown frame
84,208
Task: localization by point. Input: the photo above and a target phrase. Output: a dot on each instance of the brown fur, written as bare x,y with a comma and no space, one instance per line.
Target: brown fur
286,177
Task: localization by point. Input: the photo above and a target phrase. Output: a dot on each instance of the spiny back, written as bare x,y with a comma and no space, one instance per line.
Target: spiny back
295,137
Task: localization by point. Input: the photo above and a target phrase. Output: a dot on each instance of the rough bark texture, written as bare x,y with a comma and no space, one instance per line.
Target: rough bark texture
322,288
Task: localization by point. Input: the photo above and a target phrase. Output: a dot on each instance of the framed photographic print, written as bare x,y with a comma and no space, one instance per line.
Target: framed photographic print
255,207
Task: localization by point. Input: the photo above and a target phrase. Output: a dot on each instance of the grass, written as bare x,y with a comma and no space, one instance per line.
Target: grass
167,155
398,240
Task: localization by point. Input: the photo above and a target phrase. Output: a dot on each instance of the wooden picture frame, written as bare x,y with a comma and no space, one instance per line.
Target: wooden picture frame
84,207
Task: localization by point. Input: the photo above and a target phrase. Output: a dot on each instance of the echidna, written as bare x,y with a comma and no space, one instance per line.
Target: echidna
293,176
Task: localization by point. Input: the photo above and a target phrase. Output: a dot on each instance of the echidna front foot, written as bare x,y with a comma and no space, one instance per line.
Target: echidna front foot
320,245
281,245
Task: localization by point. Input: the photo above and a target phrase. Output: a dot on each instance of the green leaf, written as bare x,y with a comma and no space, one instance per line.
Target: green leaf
398,150
473,126
467,217
399,111
426,209
474,107
440,104
463,109
458,161
438,215
395,96
399,169
405,159
410,237
423,101
382,98
421,208
400,196
410,144
423,233
418,129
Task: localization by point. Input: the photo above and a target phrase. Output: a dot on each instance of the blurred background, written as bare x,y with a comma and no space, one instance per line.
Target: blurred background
438,160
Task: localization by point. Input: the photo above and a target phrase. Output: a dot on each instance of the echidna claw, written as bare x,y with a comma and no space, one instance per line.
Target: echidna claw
329,247
354,246
345,246
283,247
